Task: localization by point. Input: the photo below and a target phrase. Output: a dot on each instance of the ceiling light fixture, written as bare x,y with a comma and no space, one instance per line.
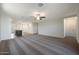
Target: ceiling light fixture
39,16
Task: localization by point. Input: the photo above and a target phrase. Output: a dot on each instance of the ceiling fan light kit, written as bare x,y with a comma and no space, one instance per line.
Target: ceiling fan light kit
38,15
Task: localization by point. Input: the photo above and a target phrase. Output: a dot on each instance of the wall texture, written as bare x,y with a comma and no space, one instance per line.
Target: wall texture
5,27
0,20
78,30
53,28
35,27
0,29
78,33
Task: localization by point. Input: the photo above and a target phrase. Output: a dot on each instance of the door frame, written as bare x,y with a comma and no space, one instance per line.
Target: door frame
76,23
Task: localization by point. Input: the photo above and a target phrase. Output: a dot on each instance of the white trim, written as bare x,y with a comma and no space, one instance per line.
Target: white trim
4,39
53,36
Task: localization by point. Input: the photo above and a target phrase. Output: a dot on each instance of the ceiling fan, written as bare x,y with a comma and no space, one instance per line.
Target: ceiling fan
38,15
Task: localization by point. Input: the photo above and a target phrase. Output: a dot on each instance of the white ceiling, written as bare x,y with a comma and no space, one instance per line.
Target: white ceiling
51,10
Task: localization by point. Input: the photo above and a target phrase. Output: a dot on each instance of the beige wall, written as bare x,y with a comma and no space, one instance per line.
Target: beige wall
35,27
0,21
78,30
54,28
5,27
0,29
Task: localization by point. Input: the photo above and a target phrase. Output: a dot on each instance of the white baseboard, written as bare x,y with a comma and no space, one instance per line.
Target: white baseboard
53,36
5,39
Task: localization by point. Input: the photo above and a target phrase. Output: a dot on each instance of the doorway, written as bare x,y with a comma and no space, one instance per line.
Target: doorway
70,24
